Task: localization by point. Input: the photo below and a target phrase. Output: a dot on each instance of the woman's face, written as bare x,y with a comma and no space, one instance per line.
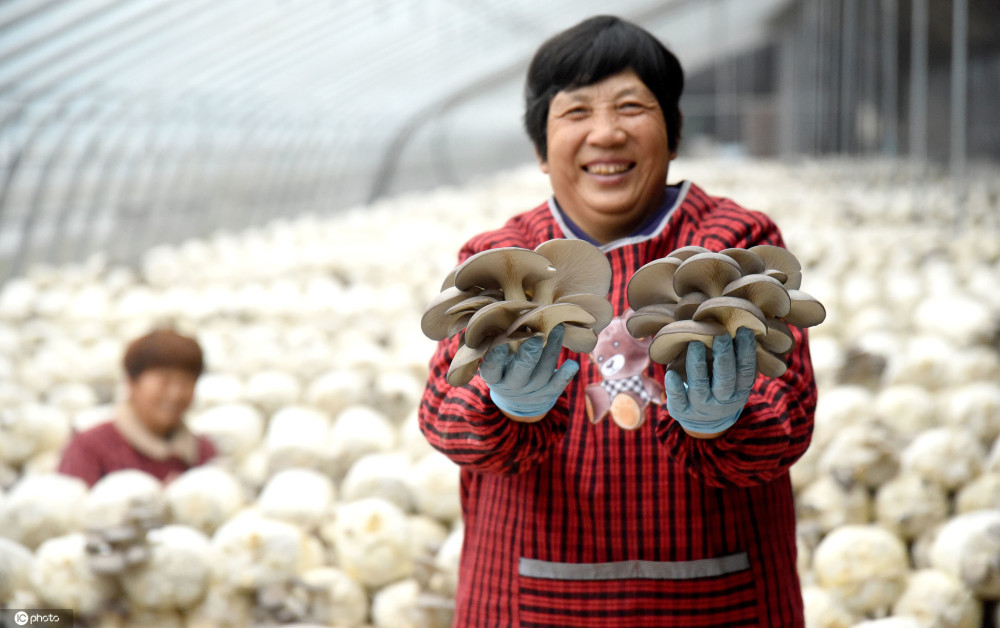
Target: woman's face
160,397
608,154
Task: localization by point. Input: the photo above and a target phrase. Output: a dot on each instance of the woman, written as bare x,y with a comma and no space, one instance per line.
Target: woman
686,521
147,432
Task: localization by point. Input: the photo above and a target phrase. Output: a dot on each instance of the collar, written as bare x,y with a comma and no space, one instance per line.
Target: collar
182,443
653,225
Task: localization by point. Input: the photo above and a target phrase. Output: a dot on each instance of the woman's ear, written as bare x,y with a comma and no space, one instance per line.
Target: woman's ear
543,163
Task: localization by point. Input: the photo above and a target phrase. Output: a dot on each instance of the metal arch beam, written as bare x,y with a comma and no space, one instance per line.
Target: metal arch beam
63,63
394,148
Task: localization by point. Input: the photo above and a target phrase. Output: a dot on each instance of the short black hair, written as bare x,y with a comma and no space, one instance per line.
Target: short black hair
591,51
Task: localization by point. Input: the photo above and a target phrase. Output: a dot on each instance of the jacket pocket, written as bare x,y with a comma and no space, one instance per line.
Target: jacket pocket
712,592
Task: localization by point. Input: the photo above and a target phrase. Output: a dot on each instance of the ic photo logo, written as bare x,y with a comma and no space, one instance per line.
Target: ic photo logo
23,618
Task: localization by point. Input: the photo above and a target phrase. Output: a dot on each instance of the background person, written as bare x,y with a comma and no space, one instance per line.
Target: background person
147,431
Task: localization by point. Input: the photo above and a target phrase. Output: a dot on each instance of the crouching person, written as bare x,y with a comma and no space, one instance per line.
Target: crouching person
147,431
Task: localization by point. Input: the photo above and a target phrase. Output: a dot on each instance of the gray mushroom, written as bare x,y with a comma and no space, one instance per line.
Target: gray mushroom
673,339
805,310
507,268
765,292
706,272
732,313
653,283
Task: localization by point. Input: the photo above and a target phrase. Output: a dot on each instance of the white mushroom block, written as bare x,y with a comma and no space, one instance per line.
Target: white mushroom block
907,410
402,605
30,429
826,504
823,609
204,497
975,406
42,506
397,392
980,494
62,578
272,390
16,565
968,547
356,431
863,565
371,540
234,428
300,496
939,600
222,606
861,454
412,441
337,389
118,495
890,622
298,436
949,456
334,598
910,505
838,408
435,481
216,388
255,551
385,475
446,561
176,575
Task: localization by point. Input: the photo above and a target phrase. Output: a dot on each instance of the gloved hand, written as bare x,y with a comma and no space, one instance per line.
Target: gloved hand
527,384
704,407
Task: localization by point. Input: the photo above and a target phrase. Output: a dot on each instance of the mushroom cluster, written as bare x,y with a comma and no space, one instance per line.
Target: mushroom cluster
696,294
508,294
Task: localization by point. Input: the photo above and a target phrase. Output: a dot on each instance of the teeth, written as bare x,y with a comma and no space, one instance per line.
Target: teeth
607,168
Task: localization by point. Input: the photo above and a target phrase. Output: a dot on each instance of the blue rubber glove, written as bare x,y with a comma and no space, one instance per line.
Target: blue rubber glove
527,384
708,407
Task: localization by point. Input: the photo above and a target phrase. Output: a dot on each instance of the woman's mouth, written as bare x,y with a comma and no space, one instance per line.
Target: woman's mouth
608,168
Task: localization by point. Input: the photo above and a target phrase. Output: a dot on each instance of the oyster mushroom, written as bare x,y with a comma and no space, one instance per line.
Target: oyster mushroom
770,364
689,304
508,294
778,338
805,311
673,339
732,313
706,272
685,252
507,268
440,319
780,264
650,319
653,283
581,268
765,292
750,263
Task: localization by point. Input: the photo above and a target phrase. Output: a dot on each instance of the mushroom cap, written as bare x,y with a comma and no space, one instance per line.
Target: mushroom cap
596,305
770,364
653,283
493,321
507,268
750,262
688,305
673,339
649,320
732,313
436,322
777,258
580,267
705,272
765,292
473,304
778,339
543,318
806,310
685,252
465,363
793,281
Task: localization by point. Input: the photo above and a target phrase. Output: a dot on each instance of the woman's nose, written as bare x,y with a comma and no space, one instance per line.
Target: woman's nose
606,129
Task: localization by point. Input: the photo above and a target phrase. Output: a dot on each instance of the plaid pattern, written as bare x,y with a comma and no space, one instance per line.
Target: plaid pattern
629,384
564,490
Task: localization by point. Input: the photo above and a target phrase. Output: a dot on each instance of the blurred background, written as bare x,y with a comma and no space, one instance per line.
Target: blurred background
164,120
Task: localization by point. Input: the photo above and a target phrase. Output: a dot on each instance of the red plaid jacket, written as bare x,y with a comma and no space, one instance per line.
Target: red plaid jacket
569,524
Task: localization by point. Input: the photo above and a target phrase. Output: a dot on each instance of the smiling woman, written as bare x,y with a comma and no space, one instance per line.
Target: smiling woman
148,431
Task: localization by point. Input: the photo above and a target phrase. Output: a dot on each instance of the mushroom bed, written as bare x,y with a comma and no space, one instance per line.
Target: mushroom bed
328,507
